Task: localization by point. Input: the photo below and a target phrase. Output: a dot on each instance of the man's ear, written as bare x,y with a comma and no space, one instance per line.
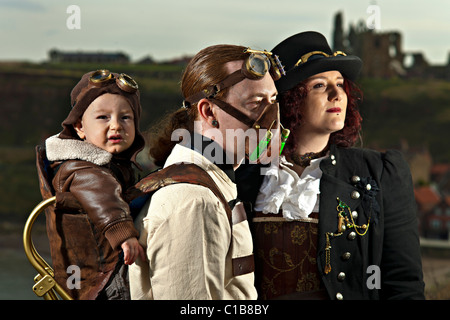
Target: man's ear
206,112
79,129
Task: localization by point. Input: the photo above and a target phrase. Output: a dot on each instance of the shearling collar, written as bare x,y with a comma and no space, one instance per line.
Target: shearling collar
69,149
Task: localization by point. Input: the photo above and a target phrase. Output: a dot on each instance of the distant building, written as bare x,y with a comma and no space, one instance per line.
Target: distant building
419,67
440,173
382,53
57,56
431,190
420,162
433,203
146,60
181,61
434,213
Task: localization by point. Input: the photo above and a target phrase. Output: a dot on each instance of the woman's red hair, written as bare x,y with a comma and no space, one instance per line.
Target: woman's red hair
291,107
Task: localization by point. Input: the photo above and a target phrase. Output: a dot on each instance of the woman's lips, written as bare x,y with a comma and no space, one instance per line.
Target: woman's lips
334,110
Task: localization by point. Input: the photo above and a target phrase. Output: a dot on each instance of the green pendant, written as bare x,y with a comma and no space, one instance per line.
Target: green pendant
284,135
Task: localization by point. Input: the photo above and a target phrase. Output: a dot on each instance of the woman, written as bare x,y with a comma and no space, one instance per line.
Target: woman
332,221
193,250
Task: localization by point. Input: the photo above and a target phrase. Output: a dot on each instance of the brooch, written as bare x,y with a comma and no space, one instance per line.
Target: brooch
345,220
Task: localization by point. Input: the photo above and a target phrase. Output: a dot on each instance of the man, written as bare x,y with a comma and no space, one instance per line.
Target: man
195,250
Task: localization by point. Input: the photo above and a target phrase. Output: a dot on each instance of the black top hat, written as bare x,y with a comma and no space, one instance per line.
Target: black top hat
302,45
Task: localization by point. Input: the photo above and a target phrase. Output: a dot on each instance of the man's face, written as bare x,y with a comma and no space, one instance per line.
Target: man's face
250,97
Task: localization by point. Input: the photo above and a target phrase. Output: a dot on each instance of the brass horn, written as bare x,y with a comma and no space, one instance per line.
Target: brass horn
46,285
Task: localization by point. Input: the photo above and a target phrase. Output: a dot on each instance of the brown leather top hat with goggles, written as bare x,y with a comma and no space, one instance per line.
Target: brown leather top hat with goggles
308,53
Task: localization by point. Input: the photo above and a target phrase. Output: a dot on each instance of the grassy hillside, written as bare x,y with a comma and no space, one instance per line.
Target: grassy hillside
415,110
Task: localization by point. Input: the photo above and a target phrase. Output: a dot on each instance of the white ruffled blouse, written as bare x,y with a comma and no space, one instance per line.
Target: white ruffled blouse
283,189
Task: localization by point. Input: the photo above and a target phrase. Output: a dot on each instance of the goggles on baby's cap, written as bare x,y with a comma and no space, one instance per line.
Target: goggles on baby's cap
124,82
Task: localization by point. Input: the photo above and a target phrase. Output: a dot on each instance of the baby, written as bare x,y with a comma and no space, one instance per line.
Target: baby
92,160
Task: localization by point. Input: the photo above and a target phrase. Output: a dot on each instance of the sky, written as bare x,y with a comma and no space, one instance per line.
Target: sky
165,29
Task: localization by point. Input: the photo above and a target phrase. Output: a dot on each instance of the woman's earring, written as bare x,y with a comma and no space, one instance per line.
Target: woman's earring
214,123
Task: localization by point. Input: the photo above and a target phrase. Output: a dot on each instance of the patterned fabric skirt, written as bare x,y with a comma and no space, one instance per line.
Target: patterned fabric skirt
285,258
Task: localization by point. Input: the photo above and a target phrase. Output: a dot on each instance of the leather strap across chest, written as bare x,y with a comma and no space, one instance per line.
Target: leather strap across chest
178,173
191,173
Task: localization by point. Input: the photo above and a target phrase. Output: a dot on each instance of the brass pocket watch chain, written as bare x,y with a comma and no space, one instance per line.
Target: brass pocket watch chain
345,220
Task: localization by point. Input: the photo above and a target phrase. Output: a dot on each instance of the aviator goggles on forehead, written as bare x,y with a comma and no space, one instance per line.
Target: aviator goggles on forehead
313,55
255,67
124,81
259,62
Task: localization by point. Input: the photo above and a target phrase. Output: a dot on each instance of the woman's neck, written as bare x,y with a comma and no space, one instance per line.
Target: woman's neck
310,142
307,143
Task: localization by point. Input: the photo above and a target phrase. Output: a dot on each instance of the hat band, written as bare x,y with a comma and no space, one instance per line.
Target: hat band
313,55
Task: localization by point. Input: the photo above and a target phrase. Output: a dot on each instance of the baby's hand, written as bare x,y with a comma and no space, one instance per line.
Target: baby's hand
131,250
